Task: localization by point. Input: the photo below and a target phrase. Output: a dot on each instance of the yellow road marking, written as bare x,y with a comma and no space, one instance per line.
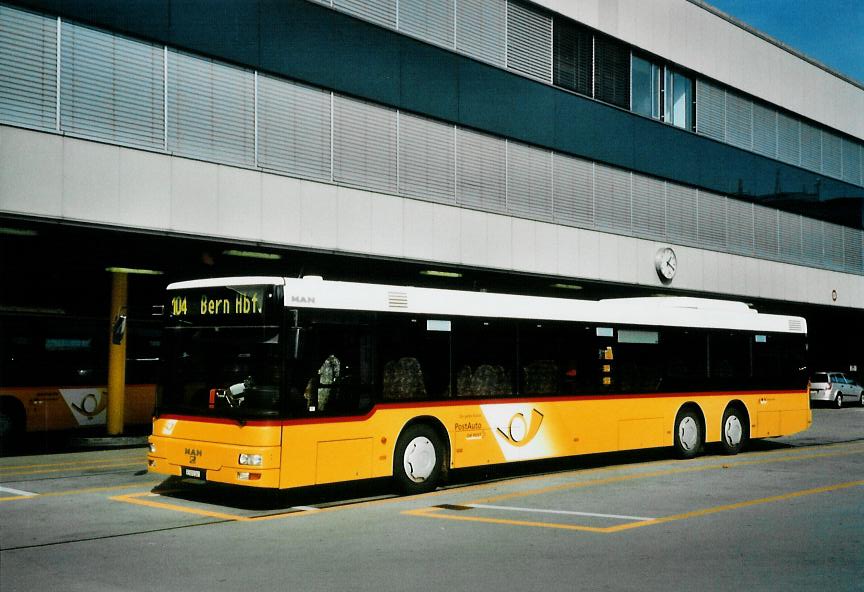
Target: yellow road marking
432,512
136,498
90,461
738,505
77,491
94,465
663,473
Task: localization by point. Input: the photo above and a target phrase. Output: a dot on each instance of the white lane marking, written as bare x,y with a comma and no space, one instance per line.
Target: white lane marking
305,508
569,513
18,492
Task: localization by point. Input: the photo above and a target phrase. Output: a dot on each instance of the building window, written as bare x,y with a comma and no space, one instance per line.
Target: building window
679,99
572,56
611,71
656,84
645,88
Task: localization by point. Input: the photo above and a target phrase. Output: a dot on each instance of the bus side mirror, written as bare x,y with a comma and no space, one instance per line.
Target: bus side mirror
119,330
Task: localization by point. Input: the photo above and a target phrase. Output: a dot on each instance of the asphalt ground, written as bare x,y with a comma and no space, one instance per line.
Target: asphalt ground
788,514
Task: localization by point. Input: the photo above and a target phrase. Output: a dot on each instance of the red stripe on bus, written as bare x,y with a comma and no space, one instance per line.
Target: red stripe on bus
470,402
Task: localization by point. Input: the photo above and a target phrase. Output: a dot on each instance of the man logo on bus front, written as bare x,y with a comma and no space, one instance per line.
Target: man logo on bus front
518,432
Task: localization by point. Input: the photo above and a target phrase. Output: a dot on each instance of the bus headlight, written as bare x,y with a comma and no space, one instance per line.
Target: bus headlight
152,448
252,460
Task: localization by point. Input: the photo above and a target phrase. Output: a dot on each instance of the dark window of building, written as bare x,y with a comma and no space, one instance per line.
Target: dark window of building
612,71
572,56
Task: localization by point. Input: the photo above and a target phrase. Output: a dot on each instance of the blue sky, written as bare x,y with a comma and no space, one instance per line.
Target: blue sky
830,31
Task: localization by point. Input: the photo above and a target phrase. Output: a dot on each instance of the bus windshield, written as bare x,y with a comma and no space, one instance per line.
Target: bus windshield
223,371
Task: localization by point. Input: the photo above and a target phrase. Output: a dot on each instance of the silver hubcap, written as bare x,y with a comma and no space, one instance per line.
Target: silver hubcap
688,433
732,431
419,460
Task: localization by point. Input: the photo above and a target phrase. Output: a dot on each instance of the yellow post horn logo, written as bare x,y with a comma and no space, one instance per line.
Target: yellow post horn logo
91,405
518,432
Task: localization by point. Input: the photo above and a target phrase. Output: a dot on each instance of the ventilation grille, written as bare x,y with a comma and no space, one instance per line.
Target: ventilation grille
397,299
796,325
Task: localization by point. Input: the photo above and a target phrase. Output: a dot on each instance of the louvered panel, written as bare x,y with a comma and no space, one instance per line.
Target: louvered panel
529,41
480,29
324,2
710,110
364,144
426,152
382,12
211,110
112,88
739,223
811,147
851,162
812,233
832,160
529,182
739,121
28,69
573,191
765,221
832,245
853,243
573,56
611,71
791,248
293,128
681,214
430,20
764,130
712,220
788,139
649,207
612,199
480,171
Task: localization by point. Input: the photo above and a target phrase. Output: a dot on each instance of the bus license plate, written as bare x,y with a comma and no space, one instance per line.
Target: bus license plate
194,473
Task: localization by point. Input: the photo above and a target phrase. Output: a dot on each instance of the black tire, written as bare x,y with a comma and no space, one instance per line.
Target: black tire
688,434
734,430
838,401
418,462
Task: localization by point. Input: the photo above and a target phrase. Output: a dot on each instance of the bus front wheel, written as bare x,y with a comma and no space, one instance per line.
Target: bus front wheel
418,461
688,434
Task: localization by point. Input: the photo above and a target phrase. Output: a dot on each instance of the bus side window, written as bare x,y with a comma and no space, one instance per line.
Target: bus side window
484,354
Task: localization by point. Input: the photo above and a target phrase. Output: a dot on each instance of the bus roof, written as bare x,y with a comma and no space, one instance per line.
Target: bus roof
315,292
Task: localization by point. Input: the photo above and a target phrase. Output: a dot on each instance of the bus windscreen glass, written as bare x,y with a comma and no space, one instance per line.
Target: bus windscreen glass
223,353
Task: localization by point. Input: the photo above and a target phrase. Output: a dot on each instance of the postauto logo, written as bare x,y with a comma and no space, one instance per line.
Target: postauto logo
518,430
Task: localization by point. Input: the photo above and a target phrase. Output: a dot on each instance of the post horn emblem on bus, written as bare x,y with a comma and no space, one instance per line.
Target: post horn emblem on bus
518,432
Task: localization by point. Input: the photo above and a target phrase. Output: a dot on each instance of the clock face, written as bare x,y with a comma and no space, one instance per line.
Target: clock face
666,263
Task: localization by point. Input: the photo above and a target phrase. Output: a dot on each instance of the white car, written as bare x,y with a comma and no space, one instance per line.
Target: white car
835,388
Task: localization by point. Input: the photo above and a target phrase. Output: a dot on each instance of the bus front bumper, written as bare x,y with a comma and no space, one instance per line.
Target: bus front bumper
214,463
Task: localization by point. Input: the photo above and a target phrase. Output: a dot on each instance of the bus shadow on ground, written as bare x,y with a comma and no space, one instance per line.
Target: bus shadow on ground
258,501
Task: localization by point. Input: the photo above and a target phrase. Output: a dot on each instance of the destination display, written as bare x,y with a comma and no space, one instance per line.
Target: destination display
231,304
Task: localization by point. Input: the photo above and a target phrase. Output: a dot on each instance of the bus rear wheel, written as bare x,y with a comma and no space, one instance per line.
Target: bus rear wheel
735,434
418,462
688,434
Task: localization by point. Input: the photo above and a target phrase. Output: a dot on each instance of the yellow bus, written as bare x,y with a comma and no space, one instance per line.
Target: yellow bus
282,383
54,371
